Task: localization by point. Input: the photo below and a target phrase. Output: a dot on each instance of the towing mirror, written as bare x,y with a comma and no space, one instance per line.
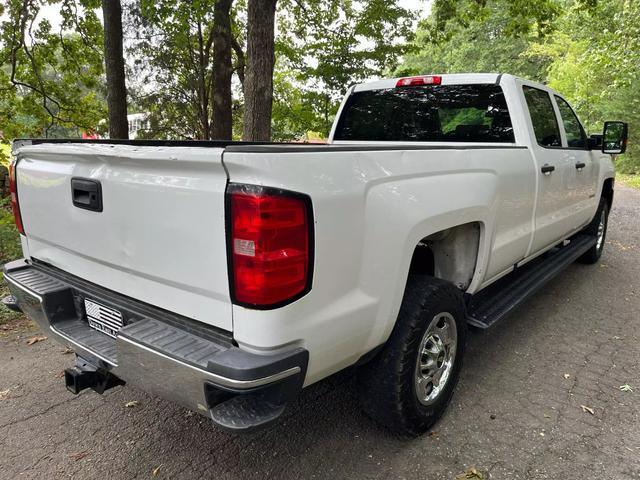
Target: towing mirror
614,137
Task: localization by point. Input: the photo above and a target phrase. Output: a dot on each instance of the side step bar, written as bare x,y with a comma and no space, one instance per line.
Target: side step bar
497,300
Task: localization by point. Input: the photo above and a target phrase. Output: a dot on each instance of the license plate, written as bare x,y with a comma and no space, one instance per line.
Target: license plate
104,319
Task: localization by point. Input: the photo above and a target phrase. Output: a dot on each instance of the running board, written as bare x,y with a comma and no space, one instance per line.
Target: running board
496,301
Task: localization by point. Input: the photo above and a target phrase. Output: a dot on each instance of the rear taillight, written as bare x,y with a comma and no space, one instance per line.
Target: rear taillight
13,190
270,242
419,81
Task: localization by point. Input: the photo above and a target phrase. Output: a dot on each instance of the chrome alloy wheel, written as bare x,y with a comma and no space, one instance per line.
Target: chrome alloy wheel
436,357
601,226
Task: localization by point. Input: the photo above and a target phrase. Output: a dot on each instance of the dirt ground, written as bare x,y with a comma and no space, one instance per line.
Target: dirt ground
540,398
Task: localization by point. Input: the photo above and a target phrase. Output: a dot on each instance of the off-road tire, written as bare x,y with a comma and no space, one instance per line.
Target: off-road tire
592,255
386,385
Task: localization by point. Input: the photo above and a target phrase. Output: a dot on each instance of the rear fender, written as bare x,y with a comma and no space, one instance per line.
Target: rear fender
400,214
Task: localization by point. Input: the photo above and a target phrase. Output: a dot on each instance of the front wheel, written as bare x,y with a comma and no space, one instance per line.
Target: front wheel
598,229
409,384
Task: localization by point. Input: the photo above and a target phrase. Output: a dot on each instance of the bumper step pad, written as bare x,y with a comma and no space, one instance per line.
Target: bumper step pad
173,341
246,412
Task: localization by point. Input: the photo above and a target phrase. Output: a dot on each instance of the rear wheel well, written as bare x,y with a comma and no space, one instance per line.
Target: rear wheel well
450,254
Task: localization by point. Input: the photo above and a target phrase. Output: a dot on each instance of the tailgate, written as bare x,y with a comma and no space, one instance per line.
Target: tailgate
160,237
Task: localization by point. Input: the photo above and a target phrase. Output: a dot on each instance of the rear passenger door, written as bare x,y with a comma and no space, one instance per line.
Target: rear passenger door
552,201
582,172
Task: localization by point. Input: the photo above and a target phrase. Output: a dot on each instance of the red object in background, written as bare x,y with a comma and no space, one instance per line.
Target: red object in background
89,135
13,190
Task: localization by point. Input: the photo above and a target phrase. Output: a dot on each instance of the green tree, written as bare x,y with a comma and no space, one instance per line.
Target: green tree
324,46
50,81
182,78
482,44
524,16
595,57
320,49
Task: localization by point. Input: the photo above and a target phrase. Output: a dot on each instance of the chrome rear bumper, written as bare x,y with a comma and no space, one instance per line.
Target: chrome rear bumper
170,356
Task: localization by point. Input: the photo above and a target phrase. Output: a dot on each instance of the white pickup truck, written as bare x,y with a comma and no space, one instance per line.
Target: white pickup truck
227,276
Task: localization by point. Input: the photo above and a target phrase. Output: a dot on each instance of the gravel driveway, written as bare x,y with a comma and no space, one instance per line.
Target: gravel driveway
540,397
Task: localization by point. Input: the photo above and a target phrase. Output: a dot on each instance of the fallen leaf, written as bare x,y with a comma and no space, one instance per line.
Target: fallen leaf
79,455
36,339
131,404
156,471
60,374
4,393
626,388
586,409
67,351
471,473
566,375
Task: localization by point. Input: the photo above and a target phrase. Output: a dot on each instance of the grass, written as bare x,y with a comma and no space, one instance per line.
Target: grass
629,180
6,315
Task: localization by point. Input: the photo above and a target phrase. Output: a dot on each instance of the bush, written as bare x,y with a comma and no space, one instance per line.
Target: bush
629,162
10,248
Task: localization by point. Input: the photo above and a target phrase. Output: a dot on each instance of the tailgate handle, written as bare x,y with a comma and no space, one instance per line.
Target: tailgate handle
86,194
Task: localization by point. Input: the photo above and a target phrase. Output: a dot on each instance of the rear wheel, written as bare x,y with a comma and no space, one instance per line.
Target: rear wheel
598,229
408,386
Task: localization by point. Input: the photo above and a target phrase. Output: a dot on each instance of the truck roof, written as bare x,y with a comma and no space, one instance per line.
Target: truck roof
447,79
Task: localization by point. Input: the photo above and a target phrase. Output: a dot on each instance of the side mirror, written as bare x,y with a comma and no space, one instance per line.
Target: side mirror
614,137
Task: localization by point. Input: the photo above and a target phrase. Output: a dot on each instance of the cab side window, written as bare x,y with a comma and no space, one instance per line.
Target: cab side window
543,117
576,137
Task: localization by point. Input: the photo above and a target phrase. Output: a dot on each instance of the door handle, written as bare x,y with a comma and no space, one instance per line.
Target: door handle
580,165
547,169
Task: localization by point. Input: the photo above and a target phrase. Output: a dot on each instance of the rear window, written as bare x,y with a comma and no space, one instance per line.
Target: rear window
434,113
543,117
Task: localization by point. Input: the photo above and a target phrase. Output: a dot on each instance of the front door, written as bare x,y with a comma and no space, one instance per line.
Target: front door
582,165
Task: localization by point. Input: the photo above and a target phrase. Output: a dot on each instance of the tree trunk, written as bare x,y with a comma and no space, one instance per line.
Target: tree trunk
258,82
114,68
222,71
203,86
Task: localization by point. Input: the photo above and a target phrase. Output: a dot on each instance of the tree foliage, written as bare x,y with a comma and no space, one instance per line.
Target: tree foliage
50,80
482,44
596,55
324,46
523,16
587,50
321,48
172,48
